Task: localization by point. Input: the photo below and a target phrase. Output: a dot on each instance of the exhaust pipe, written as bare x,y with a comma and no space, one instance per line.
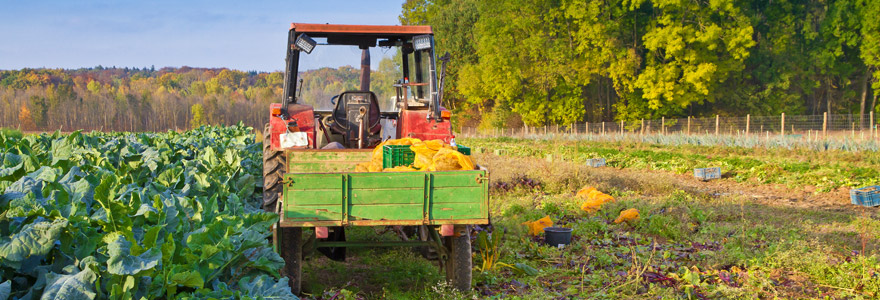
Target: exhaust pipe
365,70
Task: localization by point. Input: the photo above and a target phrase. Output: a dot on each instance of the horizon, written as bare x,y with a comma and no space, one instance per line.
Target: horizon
201,34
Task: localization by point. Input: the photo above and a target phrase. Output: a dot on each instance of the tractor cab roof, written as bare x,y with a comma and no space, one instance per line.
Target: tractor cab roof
360,35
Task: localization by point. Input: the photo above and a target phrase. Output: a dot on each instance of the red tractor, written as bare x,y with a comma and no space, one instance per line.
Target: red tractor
310,155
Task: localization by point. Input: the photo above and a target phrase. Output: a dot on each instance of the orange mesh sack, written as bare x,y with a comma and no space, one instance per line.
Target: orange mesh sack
451,160
631,214
605,198
593,194
584,192
591,205
537,227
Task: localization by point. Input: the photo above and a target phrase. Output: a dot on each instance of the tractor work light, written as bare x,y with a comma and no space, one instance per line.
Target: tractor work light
422,42
305,43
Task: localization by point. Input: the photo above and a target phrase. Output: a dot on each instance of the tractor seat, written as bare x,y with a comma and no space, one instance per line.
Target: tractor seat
348,109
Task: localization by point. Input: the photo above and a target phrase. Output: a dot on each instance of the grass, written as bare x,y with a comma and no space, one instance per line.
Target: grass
822,170
680,231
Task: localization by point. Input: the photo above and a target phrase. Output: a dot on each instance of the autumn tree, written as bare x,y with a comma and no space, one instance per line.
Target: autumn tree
25,119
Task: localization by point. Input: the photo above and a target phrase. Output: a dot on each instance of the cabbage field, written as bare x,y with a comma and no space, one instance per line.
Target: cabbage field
135,216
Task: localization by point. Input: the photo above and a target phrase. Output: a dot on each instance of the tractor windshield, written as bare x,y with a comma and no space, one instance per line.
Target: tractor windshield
332,69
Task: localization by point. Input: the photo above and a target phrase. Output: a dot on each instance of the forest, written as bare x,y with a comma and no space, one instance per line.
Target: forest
534,62
134,99
563,61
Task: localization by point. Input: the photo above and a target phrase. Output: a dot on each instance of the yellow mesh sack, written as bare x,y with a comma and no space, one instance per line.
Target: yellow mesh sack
451,160
400,169
375,164
425,151
628,215
402,141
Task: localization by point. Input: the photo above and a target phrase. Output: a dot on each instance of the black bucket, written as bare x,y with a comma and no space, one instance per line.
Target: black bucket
557,236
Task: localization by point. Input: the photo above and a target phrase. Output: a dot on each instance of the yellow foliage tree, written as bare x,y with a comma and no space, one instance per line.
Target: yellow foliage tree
25,118
198,116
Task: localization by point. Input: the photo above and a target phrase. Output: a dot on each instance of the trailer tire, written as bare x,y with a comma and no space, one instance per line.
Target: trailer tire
274,166
459,266
289,243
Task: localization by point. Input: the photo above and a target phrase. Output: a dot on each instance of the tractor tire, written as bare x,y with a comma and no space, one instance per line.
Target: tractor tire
460,264
289,242
274,166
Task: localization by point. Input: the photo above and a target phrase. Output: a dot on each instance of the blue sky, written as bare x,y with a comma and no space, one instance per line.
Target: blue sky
242,35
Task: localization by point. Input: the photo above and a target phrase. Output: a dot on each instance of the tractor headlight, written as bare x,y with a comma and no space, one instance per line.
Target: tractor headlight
305,43
422,42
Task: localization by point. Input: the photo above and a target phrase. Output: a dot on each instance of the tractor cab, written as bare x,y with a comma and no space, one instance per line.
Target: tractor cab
360,116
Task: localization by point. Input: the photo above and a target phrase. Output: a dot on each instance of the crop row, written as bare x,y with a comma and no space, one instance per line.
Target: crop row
132,216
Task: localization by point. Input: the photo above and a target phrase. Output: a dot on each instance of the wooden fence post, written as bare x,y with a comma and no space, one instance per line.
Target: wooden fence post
871,114
663,125
587,130
689,126
717,123
824,124
621,127
643,126
603,127
748,121
782,126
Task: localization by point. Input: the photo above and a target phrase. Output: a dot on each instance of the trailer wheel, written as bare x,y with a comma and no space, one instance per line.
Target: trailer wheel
459,265
274,166
288,241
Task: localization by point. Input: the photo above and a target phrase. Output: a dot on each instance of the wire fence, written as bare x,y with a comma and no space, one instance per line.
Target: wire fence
811,127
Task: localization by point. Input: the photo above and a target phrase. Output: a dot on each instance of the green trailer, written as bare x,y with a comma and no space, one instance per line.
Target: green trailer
321,190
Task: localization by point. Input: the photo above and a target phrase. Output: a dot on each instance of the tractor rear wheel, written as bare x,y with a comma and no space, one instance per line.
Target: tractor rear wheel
459,265
288,241
274,166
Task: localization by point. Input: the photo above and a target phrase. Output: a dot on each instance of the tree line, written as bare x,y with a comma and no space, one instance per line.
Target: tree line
133,99
544,62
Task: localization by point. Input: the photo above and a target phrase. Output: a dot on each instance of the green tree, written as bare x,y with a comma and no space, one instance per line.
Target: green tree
198,116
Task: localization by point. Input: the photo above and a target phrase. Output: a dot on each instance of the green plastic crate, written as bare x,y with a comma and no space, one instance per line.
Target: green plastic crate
401,155
397,155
